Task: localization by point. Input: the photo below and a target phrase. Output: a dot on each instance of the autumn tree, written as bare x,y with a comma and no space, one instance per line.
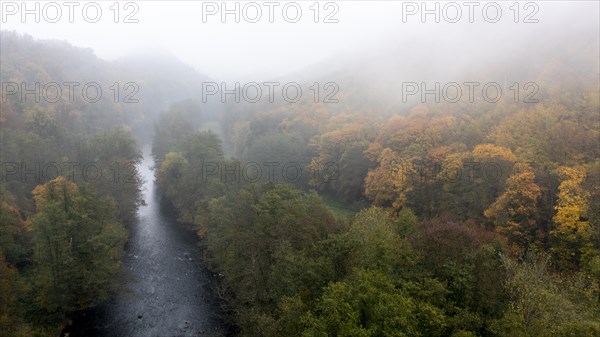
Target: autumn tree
572,231
514,212
389,183
342,149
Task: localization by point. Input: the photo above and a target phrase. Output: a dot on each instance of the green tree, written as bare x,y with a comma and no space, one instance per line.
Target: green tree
542,305
378,245
14,238
78,244
368,304
12,289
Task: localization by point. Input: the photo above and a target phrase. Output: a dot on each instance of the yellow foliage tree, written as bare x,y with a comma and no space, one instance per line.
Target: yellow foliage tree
514,212
389,183
59,189
572,230
491,151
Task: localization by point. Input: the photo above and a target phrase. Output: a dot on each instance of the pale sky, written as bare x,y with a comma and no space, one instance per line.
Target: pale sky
233,50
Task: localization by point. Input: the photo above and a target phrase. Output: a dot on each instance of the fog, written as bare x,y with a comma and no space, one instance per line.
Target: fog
307,168
224,49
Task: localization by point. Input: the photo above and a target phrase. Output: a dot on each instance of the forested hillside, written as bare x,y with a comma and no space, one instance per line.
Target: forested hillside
410,218
365,208
70,186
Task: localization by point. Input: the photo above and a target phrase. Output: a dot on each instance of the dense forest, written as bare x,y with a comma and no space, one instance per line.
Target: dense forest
63,225
443,220
70,186
365,217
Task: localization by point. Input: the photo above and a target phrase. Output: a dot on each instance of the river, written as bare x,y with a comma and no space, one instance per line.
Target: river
165,289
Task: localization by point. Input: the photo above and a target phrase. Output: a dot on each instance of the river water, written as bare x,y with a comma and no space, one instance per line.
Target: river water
165,290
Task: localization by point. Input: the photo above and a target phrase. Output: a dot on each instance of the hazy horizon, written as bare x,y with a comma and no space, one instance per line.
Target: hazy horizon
259,51
309,168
